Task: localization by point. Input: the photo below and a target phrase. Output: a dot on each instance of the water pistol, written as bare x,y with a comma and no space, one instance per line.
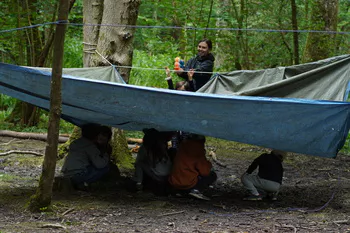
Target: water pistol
179,63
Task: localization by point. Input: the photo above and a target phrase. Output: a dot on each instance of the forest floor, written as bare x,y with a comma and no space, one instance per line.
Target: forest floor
315,197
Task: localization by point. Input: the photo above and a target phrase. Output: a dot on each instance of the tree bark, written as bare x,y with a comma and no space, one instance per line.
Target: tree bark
42,198
324,17
93,12
295,34
115,42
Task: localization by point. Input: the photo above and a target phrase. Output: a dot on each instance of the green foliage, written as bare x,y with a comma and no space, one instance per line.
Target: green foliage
73,56
133,134
65,127
154,76
73,44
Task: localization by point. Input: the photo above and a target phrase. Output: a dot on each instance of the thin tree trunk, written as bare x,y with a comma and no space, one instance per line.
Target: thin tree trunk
295,34
93,13
239,43
324,17
45,51
42,198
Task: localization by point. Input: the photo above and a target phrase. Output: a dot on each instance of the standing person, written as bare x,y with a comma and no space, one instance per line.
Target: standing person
85,163
268,179
153,164
192,172
202,64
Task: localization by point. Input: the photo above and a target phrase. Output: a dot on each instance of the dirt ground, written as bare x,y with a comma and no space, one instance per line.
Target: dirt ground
315,197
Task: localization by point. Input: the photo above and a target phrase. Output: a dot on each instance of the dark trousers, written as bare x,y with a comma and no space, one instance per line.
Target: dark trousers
92,175
202,184
205,181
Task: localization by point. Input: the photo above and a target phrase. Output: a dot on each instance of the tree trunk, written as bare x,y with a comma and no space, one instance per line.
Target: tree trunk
295,34
35,136
240,58
30,113
93,12
64,148
120,153
115,44
324,17
42,198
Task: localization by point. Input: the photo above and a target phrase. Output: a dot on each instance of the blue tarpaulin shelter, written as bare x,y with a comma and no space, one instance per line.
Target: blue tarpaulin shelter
228,107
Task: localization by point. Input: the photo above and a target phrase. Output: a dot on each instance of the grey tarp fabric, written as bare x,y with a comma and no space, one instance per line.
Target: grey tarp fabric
322,80
104,73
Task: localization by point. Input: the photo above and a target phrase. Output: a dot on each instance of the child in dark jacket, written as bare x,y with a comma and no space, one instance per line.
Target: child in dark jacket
153,163
269,177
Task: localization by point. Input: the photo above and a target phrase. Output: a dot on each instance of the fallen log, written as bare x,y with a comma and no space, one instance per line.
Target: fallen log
21,152
43,136
26,135
134,140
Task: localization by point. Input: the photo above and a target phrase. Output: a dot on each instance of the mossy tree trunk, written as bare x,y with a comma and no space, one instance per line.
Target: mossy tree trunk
115,45
324,17
120,153
64,148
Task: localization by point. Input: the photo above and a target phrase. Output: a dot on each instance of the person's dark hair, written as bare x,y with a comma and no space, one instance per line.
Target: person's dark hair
90,130
106,131
208,42
280,154
182,83
155,145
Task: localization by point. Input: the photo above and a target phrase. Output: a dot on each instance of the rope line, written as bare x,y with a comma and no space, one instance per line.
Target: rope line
176,27
143,68
34,26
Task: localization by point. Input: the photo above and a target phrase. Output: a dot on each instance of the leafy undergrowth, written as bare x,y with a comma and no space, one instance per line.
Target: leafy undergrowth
315,197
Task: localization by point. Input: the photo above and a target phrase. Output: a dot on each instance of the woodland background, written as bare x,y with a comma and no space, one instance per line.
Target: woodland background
246,34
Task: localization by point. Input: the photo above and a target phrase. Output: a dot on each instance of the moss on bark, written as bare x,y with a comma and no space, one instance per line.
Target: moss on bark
64,148
120,152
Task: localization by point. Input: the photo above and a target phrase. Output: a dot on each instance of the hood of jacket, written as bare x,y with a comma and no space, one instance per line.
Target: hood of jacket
81,143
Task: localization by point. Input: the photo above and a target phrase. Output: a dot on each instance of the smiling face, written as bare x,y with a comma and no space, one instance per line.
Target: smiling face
203,49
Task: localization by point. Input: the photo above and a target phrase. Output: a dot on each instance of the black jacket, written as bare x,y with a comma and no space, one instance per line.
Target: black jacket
171,84
270,167
204,64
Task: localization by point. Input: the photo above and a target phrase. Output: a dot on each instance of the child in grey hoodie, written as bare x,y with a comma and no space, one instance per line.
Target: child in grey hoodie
85,162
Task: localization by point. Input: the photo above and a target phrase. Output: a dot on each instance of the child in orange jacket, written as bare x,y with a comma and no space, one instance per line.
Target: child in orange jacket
191,171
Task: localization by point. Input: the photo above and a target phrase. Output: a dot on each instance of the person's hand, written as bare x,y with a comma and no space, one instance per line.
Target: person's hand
190,74
179,72
167,72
